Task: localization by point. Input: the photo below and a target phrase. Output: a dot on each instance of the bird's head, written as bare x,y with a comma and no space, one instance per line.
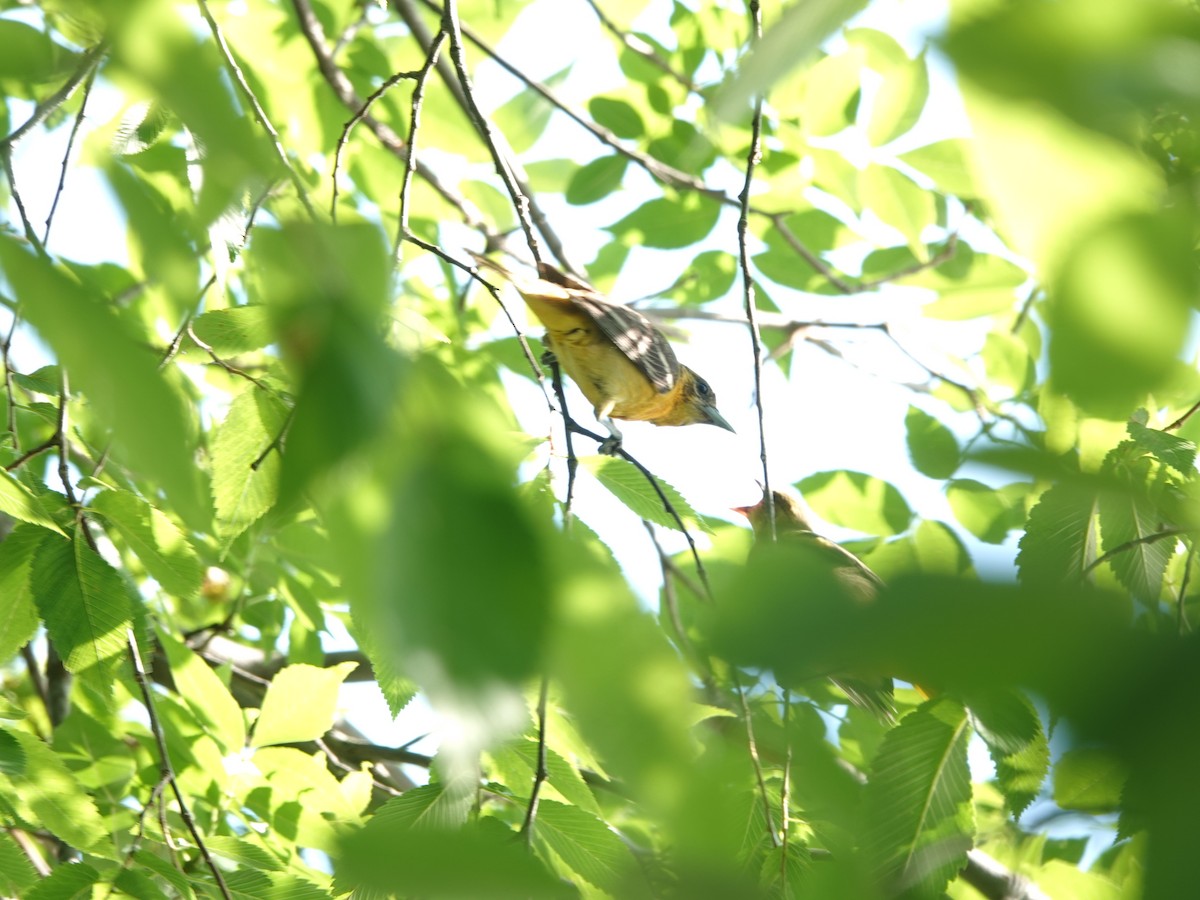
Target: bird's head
697,404
789,514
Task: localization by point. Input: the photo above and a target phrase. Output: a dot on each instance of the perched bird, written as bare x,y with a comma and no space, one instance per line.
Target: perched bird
825,560
620,360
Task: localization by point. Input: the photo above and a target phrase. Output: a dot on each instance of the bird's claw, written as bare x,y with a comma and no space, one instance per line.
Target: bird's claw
548,359
610,446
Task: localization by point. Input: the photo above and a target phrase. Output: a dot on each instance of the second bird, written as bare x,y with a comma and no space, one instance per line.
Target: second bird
620,360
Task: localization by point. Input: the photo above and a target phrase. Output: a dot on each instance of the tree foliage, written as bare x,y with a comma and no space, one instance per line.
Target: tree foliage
271,448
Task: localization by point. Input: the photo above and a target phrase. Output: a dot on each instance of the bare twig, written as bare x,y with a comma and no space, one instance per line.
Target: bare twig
27,226
358,116
256,107
643,49
87,64
314,33
755,760
540,773
166,770
996,881
62,174
414,127
1129,545
753,158
1178,423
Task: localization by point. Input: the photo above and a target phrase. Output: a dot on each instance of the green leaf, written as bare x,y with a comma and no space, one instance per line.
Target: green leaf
16,873
918,800
1176,452
1089,779
898,202
523,118
596,180
1008,362
1012,730
205,694
856,500
12,757
238,329
1105,352
243,852
47,795
163,549
709,277
669,222
900,100
86,607
632,488
245,474
944,162
67,882
300,704
618,116
18,614
146,414
931,444
586,845
1060,538
793,38
516,763
28,56
328,288
481,859
988,513
1127,518
21,503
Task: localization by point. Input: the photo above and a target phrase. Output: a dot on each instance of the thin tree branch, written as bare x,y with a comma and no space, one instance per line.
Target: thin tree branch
540,772
414,126
1178,423
166,770
358,116
87,64
996,881
753,158
62,175
314,33
1129,545
755,760
642,49
259,113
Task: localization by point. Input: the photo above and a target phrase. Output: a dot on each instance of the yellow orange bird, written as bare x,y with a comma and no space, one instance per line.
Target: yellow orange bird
620,360
855,581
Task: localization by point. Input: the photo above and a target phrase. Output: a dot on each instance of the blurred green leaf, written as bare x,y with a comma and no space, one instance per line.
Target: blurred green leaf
987,512
144,410
669,222
898,202
945,162
1089,779
856,500
523,118
46,792
1119,312
900,100
931,444
596,180
17,875
794,37
709,277
238,329
18,615
618,116
22,504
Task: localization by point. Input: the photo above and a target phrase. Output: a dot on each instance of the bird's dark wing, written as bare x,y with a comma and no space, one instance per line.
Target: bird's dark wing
853,572
635,336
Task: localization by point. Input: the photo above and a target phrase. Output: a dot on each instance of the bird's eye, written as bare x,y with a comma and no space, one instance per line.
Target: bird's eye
703,389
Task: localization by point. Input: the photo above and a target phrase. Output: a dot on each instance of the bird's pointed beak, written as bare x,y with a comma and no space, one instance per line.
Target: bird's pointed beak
715,418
